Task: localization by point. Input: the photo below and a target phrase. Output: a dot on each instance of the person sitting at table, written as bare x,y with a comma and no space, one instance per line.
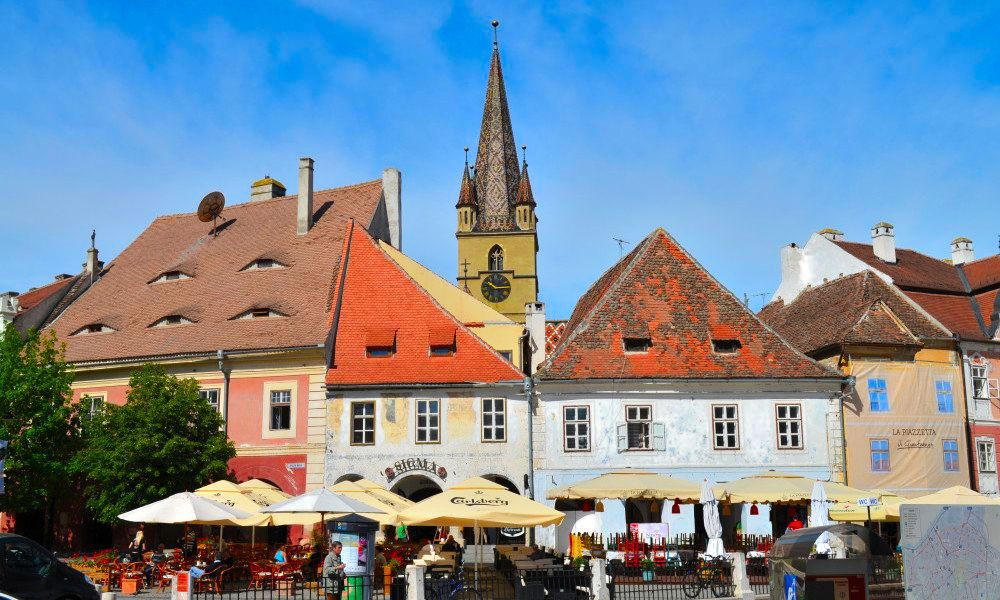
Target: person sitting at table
159,556
427,548
279,556
312,563
536,553
451,545
217,565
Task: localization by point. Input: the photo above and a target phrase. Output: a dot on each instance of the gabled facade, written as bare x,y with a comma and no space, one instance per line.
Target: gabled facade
662,368
958,294
415,399
496,230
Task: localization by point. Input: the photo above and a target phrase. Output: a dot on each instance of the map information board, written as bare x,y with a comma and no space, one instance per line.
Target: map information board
950,551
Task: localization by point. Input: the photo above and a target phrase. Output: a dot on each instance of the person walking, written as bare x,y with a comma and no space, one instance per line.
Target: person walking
333,571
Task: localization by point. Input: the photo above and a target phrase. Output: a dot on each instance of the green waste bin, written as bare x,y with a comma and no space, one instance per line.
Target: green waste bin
354,588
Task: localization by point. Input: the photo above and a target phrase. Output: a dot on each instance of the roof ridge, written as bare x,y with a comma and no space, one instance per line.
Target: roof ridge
275,199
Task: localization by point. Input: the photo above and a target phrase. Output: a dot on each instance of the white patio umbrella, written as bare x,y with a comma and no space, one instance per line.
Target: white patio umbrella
319,503
713,526
185,507
819,510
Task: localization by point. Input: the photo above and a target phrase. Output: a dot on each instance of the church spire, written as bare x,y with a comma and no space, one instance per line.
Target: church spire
467,191
497,173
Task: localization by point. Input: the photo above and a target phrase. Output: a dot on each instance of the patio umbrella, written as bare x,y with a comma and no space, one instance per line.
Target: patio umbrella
623,484
713,525
262,492
389,508
381,492
957,495
818,509
185,507
850,511
774,486
316,505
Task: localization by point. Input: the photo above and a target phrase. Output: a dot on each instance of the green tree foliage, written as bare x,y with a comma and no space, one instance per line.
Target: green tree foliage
38,421
165,439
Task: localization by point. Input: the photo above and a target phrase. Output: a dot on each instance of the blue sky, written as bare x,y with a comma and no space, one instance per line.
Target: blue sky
738,127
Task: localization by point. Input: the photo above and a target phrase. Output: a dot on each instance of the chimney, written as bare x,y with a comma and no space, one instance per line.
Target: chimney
961,251
392,189
304,219
884,242
8,309
265,189
534,323
791,264
92,266
834,235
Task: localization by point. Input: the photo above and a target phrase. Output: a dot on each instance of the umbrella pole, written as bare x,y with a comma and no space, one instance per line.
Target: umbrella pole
253,539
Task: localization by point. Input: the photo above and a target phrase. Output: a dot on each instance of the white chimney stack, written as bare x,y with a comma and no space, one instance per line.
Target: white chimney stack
392,185
534,322
304,216
8,309
961,251
884,242
834,235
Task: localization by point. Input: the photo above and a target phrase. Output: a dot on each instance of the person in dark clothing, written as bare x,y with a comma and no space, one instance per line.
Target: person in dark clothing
451,545
159,555
189,542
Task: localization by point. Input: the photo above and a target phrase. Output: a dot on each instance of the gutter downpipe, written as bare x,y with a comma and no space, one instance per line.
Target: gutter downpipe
850,386
221,356
529,393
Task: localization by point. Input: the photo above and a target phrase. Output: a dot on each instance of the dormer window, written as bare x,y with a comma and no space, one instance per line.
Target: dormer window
93,328
171,276
380,343
264,263
636,344
442,341
171,320
726,346
259,313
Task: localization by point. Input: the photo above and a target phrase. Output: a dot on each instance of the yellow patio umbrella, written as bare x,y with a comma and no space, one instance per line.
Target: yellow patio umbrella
230,494
623,484
957,495
390,508
261,491
775,487
478,502
381,492
850,511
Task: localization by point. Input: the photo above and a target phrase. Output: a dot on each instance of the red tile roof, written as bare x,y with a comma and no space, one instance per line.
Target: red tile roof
553,333
374,297
218,289
31,298
659,291
912,269
856,309
983,273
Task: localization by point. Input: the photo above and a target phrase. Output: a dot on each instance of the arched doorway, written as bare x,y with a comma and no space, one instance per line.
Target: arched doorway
352,477
416,488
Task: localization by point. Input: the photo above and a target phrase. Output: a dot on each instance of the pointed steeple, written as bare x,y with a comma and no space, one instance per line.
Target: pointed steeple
524,195
497,173
467,191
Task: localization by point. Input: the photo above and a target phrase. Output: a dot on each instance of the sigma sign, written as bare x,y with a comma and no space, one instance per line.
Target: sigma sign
406,465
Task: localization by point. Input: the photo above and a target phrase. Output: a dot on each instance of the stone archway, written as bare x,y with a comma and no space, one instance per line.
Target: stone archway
352,477
416,488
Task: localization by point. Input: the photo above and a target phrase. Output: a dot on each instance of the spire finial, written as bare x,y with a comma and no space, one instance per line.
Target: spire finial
524,154
495,25
93,237
466,157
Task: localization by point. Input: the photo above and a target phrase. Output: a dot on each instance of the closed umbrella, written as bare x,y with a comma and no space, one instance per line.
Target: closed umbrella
186,507
818,509
713,525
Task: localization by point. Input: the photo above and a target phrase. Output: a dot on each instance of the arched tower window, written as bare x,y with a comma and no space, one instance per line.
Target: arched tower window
496,258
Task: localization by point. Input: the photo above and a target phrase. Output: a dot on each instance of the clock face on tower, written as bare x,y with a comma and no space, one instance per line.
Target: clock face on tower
496,287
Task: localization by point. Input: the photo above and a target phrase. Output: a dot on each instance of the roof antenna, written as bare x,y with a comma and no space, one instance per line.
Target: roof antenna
621,246
495,25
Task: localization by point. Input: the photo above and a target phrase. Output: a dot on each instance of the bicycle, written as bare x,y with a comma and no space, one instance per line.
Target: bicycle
714,574
451,588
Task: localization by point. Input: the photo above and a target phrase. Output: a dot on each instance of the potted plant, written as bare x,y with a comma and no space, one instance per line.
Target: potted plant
580,562
647,567
388,570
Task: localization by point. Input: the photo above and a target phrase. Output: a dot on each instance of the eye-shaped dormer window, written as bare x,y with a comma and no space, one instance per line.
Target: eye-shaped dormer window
171,320
170,276
264,263
93,328
259,313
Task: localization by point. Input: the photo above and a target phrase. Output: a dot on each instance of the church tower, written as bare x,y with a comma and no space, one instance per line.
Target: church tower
497,238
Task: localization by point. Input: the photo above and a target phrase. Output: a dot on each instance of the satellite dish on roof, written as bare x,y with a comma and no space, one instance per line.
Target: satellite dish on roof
210,208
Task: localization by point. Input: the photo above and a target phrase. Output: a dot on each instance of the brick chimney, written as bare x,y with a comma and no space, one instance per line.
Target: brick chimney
265,189
304,216
884,242
961,251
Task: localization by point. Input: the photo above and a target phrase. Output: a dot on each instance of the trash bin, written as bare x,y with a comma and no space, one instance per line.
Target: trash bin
397,589
839,572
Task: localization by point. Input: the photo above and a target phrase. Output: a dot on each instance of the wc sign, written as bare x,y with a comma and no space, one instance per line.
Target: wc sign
791,587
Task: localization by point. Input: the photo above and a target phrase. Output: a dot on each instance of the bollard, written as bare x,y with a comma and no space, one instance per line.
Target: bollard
108,596
741,582
599,579
414,582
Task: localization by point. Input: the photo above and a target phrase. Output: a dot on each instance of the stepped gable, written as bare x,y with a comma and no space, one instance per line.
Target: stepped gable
378,305
660,292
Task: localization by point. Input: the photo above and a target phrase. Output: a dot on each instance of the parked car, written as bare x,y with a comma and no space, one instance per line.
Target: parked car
30,572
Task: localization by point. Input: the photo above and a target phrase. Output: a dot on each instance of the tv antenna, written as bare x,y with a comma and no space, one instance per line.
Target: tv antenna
210,209
621,246
762,295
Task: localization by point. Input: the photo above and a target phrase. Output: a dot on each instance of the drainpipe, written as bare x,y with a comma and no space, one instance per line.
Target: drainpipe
847,390
221,356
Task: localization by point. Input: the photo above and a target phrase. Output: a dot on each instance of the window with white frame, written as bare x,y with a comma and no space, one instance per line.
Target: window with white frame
987,455
945,398
94,405
576,429
980,385
726,426
950,448
494,419
879,449
789,426
211,395
428,421
878,395
281,410
362,423
638,420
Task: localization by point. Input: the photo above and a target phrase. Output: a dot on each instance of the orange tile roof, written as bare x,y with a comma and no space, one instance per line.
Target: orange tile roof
659,291
31,298
378,304
912,269
218,289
